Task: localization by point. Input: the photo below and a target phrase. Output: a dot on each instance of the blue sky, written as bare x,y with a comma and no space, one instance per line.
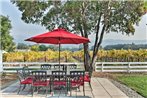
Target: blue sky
21,30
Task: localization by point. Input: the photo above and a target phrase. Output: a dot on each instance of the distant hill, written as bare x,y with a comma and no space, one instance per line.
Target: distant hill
115,42
126,46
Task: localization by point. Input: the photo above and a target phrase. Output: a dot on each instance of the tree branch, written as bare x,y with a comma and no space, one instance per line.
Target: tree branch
97,32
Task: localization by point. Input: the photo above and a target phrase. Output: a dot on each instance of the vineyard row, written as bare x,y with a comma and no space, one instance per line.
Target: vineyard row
77,56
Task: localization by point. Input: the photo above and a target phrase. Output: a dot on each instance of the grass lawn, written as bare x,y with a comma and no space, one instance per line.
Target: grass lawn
137,82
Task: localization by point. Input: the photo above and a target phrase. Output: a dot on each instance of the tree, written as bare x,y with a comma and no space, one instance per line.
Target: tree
7,43
86,17
22,46
53,47
42,48
35,47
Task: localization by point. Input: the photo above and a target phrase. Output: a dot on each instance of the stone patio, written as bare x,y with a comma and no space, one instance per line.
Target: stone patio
102,88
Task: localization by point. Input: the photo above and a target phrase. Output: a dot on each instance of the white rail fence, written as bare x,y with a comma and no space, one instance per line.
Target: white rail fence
121,66
99,66
12,66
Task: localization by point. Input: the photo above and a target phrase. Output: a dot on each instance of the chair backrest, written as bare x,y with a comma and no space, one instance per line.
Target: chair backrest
63,67
26,71
59,75
20,74
72,66
57,66
39,76
77,76
46,67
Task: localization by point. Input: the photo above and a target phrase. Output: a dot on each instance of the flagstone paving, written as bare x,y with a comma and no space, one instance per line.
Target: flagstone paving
102,88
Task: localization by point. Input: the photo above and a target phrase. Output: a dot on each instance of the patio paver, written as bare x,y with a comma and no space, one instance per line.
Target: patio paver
102,88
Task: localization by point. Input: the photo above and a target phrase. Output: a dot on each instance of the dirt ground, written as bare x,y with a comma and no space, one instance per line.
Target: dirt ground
6,78
104,75
114,75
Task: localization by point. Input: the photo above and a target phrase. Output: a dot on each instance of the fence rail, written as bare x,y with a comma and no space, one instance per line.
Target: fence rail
121,66
99,66
11,67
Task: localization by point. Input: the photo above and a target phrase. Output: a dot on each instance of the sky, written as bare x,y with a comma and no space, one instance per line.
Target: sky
21,31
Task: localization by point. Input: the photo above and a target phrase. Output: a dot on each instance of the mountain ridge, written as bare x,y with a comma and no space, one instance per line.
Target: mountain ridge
118,41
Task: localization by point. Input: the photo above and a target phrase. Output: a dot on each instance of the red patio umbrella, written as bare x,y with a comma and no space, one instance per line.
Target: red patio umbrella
58,36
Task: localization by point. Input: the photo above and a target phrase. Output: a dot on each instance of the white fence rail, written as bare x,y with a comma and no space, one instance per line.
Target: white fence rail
12,66
99,66
121,66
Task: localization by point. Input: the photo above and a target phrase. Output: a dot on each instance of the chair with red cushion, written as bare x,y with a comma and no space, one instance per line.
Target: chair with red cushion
23,79
59,80
40,80
87,78
77,80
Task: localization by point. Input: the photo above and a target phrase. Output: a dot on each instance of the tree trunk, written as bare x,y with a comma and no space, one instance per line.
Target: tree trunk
92,67
86,57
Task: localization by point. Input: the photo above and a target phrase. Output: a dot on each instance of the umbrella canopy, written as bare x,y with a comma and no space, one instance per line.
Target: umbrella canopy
58,36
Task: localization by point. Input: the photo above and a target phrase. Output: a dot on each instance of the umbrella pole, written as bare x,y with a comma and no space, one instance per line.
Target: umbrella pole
59,53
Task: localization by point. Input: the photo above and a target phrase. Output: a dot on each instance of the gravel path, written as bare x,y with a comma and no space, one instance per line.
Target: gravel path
129,92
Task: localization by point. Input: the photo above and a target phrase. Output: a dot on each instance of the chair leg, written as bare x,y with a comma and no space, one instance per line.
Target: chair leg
50,88
37,89
90,86
19,89
84,90
79,88
24,87
70,91
46,90
32,90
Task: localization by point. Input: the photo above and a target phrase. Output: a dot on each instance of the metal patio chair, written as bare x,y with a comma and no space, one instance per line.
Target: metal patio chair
40,80
77,80
59,80
23,80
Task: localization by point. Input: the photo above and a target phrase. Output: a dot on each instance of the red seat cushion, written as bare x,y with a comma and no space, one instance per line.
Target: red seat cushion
26,81
77,82
59,82
41,83
86,78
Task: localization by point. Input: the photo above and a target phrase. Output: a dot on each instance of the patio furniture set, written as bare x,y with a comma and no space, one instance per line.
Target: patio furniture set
54,77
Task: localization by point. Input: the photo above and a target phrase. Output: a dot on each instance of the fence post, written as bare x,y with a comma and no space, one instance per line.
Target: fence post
20,65
128,67
102,67
95,66
1,63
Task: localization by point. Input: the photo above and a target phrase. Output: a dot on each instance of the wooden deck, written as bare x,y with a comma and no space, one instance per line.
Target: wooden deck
102,88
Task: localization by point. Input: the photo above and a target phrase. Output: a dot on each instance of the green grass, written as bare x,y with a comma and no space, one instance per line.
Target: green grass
136,82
